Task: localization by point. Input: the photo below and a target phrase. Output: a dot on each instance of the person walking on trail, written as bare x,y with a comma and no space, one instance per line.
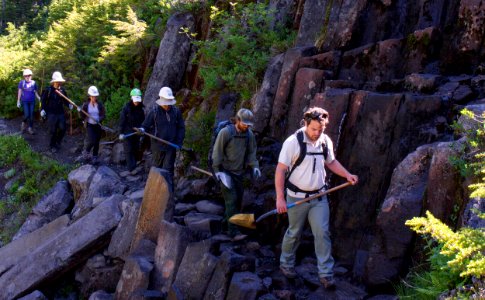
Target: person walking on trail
165,121
131,116
27,92
52,107
96,111
307,178
234,150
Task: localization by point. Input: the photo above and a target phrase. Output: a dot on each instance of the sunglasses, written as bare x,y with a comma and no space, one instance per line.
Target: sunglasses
315,115
27,75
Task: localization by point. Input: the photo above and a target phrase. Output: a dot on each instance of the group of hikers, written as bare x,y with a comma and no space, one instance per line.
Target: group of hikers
300,171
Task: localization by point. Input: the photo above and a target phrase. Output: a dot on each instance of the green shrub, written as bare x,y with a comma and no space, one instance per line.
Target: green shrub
237,54
36,174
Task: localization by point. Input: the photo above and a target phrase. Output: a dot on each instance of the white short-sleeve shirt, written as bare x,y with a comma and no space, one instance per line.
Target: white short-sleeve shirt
310,174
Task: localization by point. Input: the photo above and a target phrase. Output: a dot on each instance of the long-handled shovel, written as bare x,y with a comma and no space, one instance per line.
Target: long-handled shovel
163,141
105,128
247,220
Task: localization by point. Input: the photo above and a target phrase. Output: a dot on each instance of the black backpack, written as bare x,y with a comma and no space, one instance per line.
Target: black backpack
215,133
299,160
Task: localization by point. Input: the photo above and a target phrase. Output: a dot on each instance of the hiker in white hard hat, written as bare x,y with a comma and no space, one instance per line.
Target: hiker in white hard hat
235,150
27,92
165,121
52,107
95,109
131,116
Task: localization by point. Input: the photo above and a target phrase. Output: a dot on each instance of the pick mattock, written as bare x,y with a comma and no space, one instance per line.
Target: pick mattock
163,141
226,181
105,128
247,220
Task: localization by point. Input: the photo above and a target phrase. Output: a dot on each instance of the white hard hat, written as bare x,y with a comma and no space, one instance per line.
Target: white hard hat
93,91
57,77
166,96
27,72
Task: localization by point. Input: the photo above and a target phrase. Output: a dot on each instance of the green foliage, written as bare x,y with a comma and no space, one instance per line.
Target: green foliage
464,249
34,175
14,56
91,42
199,134
237,55
431,279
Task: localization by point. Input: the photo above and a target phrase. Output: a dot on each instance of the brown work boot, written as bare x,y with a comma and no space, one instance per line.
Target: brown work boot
328,282
289,272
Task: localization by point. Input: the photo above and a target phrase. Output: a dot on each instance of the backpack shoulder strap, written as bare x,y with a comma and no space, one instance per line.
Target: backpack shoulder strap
301,156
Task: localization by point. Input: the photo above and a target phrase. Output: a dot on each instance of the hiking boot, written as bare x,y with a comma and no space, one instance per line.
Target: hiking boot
30,130
289,272
23,126
328,282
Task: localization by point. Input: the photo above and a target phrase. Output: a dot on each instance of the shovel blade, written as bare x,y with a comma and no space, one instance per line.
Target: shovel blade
243,220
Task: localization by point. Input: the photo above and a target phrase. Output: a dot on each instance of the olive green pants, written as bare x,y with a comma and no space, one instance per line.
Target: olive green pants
232,200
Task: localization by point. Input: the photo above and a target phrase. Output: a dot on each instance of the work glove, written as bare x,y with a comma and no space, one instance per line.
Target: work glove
70,106
42,113
256,173
121,137
18,104
78,108
224,178
141,130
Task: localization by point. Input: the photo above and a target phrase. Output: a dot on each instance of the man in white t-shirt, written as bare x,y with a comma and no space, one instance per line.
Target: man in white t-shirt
307,177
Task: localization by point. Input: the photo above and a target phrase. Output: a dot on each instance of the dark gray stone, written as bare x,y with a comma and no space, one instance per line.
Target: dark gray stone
245,286
195,270
53,205
122,237
172,58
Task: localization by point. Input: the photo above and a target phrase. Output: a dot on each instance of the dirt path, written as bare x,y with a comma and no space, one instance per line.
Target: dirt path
71,145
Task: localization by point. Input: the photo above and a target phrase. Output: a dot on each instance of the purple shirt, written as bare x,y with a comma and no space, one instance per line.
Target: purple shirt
28,90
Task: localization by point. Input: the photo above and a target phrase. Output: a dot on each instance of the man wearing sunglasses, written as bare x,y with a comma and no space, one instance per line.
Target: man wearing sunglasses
305,177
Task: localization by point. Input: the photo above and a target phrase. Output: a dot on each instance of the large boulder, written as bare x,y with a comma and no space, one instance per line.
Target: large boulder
104,183
171,244
404,200
53,205
79,179
62,252
195,270
157,198
134,278
14,251
229,262
120,244
172,58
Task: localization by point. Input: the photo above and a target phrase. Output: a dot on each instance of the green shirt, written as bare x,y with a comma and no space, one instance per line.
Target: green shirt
232,157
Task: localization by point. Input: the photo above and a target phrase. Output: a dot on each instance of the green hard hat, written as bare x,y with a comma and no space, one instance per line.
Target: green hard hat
135,92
